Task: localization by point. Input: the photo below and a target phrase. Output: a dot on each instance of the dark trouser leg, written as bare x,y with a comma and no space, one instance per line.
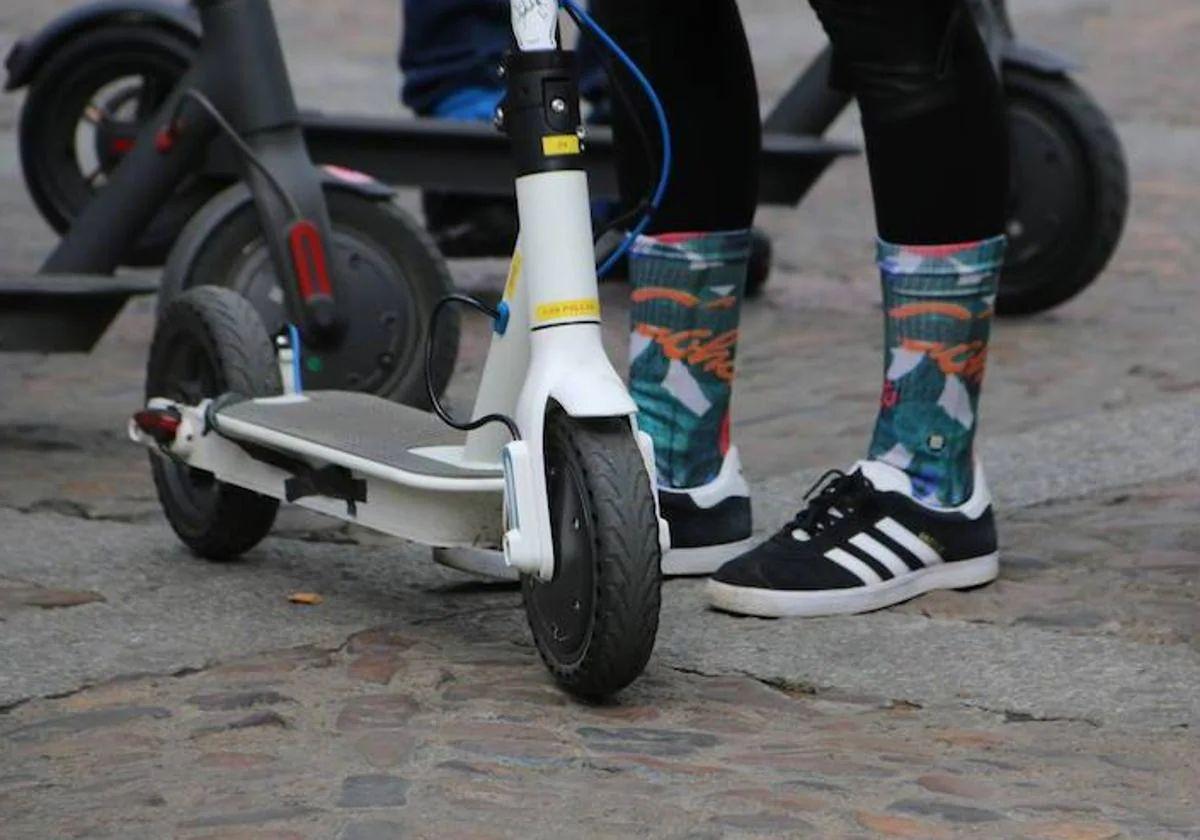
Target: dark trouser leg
450,56
688,274
695,53
449,46
932,112
936,146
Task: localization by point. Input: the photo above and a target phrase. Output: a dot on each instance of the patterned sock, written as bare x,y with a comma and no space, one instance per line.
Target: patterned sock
687,296
938,302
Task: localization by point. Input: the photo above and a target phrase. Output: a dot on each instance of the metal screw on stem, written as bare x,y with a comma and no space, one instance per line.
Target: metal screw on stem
558,106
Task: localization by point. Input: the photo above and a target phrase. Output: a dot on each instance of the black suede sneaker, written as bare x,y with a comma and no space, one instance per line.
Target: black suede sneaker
862,543
710,523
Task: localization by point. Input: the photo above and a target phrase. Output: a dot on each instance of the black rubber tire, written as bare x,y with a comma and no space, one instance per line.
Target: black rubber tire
53,172
619,576
215,520
409,253
1047,266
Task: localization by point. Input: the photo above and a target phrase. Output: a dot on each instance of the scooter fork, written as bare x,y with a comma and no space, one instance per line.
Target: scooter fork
547,349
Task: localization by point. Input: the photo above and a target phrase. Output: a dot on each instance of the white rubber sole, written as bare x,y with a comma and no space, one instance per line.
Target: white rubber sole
489,562
773,603
703,560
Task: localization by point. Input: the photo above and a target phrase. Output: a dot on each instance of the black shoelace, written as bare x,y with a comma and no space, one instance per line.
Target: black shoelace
835,490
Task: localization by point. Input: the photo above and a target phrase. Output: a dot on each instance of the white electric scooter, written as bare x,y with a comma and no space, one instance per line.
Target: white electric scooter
554,471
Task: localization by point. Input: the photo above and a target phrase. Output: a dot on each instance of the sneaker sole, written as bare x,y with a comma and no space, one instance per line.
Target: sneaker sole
703,560
773,603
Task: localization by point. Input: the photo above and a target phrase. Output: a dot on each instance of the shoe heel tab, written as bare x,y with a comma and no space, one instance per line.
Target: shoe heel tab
731,479
981,496
733,460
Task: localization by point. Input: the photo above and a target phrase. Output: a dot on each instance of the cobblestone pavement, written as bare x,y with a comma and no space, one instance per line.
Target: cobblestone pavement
446,726
144,693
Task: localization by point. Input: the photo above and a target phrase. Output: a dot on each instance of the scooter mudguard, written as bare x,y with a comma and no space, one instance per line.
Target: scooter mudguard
29,54
527,540
223,205
995,28
569,370
1017,53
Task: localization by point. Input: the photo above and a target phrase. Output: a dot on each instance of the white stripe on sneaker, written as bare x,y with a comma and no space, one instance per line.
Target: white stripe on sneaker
873,547
920,549
853,565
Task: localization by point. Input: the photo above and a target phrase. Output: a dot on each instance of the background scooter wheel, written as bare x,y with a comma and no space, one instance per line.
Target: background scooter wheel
210,342
758,269
1068,195
393,277
83,109
594,624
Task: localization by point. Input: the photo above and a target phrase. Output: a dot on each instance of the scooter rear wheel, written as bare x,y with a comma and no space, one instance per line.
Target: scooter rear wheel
1068,193
210,342
595,622
393,277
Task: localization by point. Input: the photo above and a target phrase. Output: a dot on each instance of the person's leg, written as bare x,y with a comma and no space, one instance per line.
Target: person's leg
688,272
450,56
916,515
450,48
933,117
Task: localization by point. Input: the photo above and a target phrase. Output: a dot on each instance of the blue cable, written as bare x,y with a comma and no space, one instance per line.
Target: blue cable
294,338
664,128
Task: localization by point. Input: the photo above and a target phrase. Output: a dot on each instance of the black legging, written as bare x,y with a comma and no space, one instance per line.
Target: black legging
696,56
931,106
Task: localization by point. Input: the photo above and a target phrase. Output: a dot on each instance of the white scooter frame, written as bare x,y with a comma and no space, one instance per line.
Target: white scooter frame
487,492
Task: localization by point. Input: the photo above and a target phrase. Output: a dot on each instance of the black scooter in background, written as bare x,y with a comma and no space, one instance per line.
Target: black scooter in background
107,65
326,250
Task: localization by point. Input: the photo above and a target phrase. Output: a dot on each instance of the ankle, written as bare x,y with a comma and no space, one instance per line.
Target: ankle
687,292
939,303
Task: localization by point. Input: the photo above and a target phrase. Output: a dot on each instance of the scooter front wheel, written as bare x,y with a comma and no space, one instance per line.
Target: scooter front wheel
210,342
594,623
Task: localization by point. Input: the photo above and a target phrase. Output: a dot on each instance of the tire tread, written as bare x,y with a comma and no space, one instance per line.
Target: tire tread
1109,183
629,577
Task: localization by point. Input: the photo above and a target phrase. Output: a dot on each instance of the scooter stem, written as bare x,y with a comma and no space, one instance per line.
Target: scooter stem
554,278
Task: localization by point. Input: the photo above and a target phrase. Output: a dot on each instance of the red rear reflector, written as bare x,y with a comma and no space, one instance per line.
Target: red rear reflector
160,425
164,139
121,145
308,256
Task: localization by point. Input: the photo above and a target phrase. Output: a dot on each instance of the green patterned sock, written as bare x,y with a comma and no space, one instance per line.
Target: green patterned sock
687,296
938,304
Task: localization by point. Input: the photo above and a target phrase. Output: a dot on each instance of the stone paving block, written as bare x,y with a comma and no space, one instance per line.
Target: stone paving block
373,791
83,722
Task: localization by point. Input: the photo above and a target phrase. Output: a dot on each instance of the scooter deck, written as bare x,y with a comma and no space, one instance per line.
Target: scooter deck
326,424
61,313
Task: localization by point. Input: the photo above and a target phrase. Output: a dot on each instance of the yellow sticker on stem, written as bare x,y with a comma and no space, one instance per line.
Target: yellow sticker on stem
560,144
514,274
560,309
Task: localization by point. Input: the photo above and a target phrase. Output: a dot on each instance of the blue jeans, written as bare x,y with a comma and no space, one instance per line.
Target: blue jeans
450,45
453,45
